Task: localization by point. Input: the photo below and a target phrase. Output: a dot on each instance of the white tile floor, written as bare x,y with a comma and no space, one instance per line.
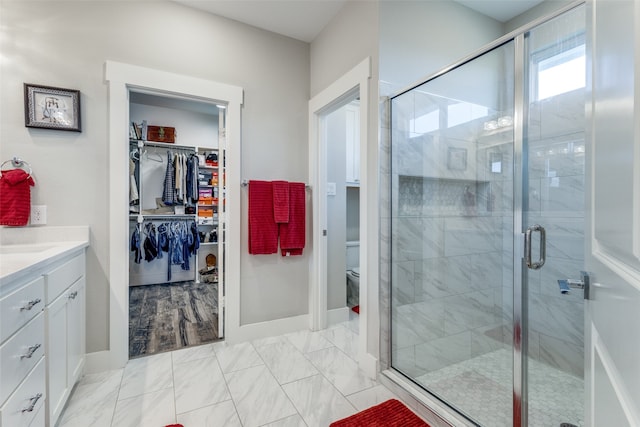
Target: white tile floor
295,380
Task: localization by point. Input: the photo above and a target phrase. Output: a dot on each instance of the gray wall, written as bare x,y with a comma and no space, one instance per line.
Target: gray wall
534,13
418,38
345,42
65,44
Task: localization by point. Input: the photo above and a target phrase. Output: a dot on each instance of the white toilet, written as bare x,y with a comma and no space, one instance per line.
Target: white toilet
353,274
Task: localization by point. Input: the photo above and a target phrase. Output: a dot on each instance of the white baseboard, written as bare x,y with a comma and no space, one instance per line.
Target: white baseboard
99,361
369,364
267,329
337,315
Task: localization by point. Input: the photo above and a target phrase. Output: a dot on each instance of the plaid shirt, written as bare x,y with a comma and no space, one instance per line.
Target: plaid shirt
169,195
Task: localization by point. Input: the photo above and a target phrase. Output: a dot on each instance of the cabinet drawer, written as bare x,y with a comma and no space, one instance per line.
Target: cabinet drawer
39,419
23,405
62,277
20,354
17,308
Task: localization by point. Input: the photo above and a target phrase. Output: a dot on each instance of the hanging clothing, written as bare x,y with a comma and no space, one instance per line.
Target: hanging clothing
193,190
135,245
163,240
169,188
133,185
196,238
150,242
178,176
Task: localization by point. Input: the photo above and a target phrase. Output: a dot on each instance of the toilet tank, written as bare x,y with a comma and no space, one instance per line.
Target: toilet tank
353,255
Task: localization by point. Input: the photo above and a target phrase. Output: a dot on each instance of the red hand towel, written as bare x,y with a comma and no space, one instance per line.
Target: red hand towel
280,201
292,234
15,197
263,230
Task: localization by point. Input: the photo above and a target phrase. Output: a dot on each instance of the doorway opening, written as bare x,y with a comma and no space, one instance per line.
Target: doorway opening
323,309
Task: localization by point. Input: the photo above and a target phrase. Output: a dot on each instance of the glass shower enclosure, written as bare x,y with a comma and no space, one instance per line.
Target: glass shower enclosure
487,230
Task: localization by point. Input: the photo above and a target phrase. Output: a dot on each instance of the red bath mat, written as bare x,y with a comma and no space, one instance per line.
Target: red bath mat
391,413
356,309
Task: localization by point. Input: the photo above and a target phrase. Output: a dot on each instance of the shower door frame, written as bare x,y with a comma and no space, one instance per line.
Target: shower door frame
427,404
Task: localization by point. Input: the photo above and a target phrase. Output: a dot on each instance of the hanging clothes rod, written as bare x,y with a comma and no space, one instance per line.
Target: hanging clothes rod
142,143
153,217
246,183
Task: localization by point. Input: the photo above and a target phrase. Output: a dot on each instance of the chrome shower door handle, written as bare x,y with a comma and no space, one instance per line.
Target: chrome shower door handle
527,246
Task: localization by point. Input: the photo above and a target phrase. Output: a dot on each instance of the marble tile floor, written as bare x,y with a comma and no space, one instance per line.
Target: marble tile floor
302,379
481,386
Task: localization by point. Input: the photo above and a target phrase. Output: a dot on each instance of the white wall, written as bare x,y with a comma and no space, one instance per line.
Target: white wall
66,43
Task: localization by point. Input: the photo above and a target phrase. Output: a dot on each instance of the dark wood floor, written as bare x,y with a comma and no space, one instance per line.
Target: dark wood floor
170,316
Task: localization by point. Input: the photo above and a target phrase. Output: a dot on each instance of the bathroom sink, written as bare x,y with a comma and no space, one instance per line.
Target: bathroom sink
24,249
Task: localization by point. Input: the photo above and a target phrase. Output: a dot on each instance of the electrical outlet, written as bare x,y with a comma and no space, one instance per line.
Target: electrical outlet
39,215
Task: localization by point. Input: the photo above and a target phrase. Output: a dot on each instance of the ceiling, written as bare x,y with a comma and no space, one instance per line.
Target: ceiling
305,19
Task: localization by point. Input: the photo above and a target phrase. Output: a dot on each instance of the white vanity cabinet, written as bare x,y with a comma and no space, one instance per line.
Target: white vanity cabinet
65,332
22,361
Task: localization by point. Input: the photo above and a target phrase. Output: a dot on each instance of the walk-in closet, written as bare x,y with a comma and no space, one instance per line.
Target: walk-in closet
176,222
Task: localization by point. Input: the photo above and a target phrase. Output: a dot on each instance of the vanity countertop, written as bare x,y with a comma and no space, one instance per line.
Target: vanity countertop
22,254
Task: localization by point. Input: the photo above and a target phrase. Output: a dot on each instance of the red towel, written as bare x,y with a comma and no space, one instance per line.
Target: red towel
292,234
280,201
15,197
263,230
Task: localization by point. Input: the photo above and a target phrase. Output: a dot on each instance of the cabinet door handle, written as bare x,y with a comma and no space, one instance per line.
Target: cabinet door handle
73,295
32,350
33,401
31,304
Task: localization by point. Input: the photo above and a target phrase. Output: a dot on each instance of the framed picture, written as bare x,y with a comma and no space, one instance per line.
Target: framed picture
495,162
457,159
51,108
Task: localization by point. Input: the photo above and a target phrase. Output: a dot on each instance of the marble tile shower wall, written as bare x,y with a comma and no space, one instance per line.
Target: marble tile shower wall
446,251
557,202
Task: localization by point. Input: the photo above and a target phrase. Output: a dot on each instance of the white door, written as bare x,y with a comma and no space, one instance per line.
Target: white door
612,326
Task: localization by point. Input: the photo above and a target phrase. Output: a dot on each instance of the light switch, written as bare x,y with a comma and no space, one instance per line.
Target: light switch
331,188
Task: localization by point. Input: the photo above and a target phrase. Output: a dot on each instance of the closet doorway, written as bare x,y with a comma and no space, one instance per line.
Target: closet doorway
175,210
123,79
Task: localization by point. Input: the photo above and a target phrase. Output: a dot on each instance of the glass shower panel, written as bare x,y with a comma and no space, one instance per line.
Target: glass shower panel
452,154
555,148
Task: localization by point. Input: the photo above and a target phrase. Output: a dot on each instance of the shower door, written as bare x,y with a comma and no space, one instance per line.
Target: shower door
554,199
487,230
452,225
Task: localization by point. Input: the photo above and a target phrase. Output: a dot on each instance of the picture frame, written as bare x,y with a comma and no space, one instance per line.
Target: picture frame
48,107
495,163
457,159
